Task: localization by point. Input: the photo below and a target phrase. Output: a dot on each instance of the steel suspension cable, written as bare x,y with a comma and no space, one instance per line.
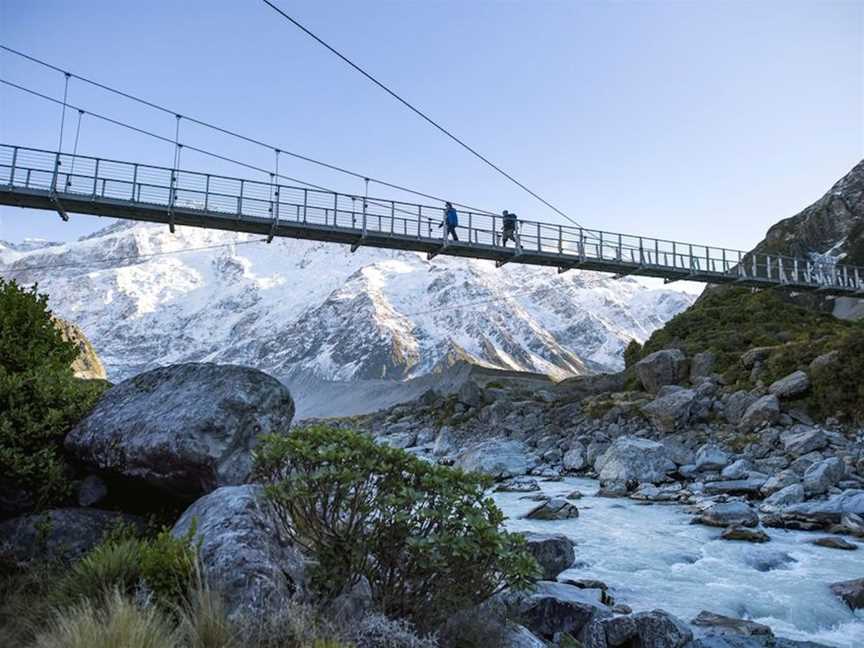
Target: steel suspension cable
419,112
212,154
235,134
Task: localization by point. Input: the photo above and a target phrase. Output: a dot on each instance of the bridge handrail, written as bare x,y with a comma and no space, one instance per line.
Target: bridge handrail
219,192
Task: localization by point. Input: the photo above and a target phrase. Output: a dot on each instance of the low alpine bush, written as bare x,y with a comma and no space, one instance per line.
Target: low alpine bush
426,537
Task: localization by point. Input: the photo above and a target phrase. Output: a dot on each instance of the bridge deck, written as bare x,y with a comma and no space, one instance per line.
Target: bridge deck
80,184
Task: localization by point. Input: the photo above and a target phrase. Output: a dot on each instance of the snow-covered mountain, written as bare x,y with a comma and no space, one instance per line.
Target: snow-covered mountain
299,308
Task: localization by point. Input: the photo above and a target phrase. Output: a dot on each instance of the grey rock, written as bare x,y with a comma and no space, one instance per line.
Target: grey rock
802,439
736,470
792,494
553,608
619,630
518,485
729,514
735,487
677,452
834,542
765,410
444,442
517,636
755,356
595,450
399,440
185,429
91,491
575,459
500,459
795,384
634,459
470,394
552,551
851,592
736,404
670,411
824,361
821,476
61,535
780,481
553,509
659,629
243,552
822,514
724,625
743,533
711,457
667,367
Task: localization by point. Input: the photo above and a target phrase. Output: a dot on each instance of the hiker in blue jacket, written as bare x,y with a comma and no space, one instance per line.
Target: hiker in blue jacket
451,220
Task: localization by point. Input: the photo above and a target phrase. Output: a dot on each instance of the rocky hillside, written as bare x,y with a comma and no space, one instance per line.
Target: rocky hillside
297,308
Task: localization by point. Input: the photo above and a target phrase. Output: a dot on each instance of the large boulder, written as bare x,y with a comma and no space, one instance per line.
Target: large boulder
821,514
552,608
735,404
184,429
553,509
795,384
242,551
670,411
500,459
802,439
575,459
851,592
632,460
729,514
659,629
765,410
792,494
60,534
667,367
724,625
552,551
711,457
749,487
822,475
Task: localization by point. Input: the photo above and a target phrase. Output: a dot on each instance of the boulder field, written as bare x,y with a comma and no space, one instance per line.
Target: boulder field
186,433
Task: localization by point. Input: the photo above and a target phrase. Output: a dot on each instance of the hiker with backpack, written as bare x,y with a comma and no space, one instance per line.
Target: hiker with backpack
508,230
451,220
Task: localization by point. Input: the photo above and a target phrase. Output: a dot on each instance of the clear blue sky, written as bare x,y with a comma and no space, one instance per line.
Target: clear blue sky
700,121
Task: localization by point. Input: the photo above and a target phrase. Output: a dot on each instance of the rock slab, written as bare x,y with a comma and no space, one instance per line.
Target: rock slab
184,429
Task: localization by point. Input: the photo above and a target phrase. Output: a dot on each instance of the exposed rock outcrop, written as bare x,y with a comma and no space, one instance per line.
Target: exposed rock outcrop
184,429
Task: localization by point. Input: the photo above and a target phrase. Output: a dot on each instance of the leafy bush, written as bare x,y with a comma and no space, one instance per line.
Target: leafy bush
839,386
165,566
426,537
632,354
39,395
729,321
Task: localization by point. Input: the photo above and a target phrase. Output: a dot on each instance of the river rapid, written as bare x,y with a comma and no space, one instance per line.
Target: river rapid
652,557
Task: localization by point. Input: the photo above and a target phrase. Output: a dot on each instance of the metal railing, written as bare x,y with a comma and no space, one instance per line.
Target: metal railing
98,179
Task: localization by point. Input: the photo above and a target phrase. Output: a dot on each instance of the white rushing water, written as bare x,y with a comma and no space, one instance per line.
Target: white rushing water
653,558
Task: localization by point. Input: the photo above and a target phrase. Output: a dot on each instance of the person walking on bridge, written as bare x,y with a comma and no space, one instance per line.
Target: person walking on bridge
451,220
508,230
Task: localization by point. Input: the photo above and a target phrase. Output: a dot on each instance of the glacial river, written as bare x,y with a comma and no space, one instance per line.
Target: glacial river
652,557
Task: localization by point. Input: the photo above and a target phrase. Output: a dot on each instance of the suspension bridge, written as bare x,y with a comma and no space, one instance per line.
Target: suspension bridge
71,183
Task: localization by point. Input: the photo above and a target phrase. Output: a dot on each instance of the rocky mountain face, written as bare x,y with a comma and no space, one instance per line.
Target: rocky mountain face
298,308
87,365
831,230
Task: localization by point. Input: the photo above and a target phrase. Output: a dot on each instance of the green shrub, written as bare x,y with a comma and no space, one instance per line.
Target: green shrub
730,321
39,396
164,565
632,354
426,537
839,386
